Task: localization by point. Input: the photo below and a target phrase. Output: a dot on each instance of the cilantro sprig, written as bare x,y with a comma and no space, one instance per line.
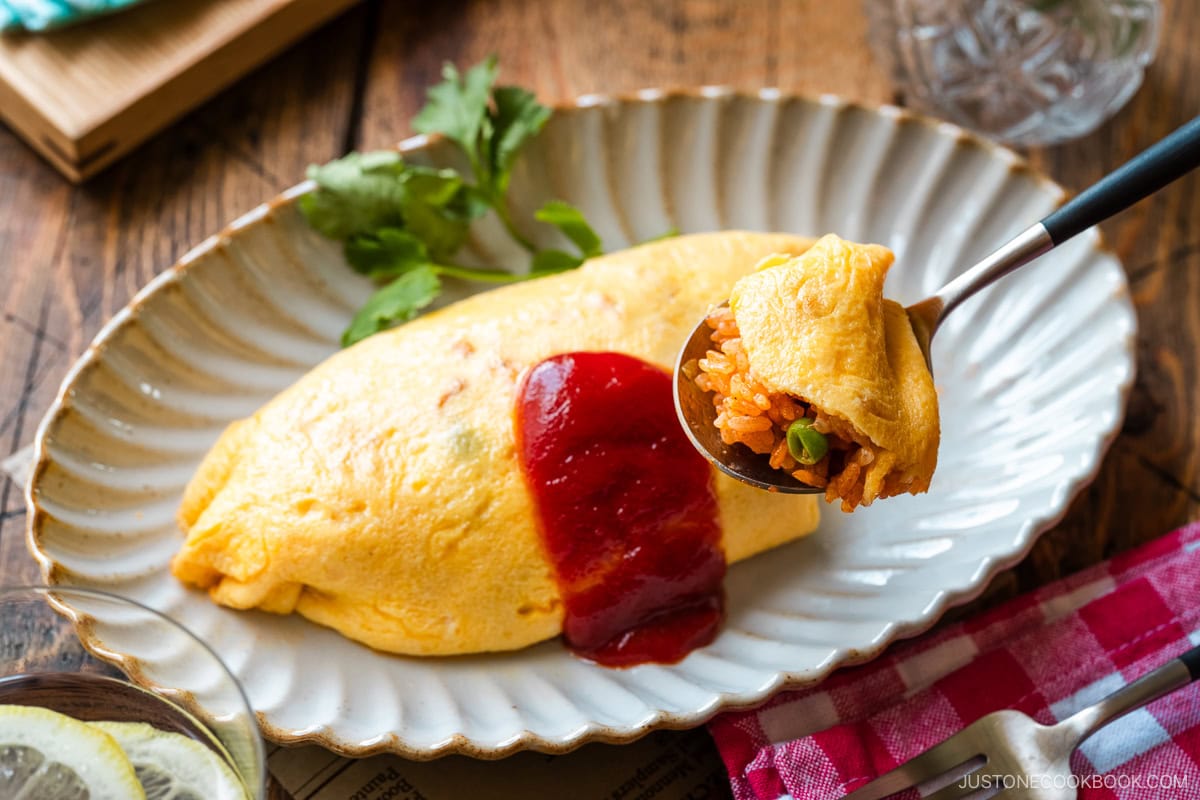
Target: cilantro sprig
402,224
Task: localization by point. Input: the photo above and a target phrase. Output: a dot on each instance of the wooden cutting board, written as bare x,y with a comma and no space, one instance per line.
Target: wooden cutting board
84,96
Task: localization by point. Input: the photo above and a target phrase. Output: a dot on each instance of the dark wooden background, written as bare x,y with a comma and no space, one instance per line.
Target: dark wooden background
72,256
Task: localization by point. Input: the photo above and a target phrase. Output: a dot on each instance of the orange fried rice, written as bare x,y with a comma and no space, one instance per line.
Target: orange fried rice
750,414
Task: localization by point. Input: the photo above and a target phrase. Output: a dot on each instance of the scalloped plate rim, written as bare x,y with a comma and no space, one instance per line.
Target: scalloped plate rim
944,598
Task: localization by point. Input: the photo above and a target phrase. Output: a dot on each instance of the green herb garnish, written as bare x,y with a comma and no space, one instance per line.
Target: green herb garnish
806,444
568,219
397,302
402,224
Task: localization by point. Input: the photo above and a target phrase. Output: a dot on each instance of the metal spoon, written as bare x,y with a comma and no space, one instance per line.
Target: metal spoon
1141,176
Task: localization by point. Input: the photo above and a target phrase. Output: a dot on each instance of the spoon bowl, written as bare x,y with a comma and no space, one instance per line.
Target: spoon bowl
697,413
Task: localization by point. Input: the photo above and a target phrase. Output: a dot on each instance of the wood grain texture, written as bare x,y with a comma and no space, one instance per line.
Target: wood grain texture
565,48
70,257
85,95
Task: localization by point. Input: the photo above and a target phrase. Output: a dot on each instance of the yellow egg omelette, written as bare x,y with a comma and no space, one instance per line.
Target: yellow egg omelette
381,494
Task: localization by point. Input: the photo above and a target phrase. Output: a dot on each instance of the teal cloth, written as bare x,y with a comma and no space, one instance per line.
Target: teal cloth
41,15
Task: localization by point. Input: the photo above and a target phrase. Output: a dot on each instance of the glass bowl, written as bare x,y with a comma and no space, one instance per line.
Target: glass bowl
51,656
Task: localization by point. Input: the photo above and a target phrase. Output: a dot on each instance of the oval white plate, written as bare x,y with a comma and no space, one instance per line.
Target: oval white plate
1033,376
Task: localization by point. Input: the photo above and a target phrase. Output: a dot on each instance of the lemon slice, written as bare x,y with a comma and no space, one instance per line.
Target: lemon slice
47,754
173,767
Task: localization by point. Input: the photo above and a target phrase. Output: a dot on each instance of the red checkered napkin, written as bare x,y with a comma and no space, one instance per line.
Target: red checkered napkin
1047,654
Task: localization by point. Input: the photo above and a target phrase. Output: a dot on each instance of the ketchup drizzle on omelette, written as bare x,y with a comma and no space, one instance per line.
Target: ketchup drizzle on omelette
627,511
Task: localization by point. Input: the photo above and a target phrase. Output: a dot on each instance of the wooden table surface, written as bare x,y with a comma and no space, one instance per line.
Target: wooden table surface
72,256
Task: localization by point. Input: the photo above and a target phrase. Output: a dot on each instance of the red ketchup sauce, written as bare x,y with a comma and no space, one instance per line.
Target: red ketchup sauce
626,507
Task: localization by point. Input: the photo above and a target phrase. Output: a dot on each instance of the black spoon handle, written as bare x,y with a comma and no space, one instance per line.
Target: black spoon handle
1140,176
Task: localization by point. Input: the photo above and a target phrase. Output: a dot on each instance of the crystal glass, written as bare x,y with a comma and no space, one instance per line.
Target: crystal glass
178,684
1022,71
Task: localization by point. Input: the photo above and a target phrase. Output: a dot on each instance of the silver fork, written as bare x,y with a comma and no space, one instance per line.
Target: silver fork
1006,754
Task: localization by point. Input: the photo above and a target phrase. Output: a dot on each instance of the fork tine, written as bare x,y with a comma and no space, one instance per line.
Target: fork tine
937,760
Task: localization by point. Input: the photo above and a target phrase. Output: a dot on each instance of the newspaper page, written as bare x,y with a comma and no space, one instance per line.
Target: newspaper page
667,765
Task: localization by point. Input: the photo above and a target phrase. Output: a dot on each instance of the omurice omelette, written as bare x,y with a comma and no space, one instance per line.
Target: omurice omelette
814,369
496,473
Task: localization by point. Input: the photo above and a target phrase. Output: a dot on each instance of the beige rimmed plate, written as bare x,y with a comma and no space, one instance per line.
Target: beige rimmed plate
1032,375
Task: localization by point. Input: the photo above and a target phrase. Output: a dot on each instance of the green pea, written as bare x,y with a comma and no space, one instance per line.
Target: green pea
806,445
